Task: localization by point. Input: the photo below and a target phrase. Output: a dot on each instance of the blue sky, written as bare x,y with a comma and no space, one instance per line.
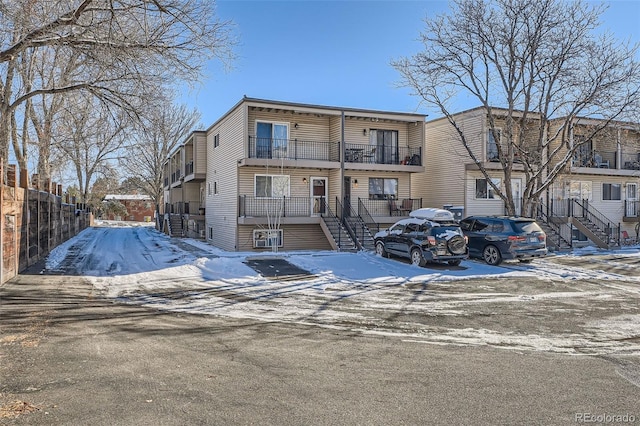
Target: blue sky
335,52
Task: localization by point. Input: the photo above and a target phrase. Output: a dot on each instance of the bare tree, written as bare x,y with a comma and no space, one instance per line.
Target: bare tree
157,134
92,140
122,51
542,63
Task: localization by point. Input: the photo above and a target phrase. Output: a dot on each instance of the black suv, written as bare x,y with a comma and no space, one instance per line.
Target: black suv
498,238
430,235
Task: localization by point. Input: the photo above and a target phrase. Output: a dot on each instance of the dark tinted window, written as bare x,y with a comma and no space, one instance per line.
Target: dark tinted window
497,226
411,227
465,224
481,225
526,226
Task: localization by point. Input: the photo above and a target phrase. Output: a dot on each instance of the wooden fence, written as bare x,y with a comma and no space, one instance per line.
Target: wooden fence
33,222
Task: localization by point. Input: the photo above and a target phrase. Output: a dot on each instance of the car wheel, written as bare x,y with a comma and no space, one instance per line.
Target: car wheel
417,258
380,250
491,255
455,262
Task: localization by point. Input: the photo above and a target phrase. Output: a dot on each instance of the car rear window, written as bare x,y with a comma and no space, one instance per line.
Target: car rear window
526,226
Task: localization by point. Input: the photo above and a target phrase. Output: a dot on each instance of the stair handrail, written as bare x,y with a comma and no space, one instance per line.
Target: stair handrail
360,230
596,217
368,220
327,212
563,230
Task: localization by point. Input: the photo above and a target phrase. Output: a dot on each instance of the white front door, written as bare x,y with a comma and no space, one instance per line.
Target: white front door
319,194
516,192
632,198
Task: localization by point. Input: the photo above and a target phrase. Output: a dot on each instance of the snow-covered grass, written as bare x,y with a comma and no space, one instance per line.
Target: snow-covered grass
137,264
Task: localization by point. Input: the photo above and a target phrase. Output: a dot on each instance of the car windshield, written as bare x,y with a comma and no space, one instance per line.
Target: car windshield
526,227
442,231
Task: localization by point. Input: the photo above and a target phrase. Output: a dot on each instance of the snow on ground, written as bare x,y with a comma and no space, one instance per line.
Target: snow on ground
361,291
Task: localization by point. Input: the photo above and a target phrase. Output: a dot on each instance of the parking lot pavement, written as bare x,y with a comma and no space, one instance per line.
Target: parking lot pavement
69,356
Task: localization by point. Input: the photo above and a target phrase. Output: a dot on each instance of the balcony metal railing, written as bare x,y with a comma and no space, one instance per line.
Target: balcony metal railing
188,168
381,154
166,181
596,159
293,149
390,207
249,206
630,160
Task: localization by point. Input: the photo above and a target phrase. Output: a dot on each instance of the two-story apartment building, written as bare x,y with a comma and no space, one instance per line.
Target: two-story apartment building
286,175
597,189
184,187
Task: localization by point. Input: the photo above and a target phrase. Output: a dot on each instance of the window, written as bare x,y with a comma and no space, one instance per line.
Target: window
215,187
492,146
271,139
263,238
611,191
380,189
580,190
211,232
216,140
384,146
484,190
269,186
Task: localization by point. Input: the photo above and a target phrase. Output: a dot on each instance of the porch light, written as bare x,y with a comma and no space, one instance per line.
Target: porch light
295,126
364,132
304,180
355,183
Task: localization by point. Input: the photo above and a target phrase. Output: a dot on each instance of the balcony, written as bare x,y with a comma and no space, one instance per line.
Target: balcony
596,160
381,154
630,160
293,149
188,168
286,207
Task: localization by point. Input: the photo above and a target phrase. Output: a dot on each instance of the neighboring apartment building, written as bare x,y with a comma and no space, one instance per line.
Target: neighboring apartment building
278,175
599,186
184,187
139,207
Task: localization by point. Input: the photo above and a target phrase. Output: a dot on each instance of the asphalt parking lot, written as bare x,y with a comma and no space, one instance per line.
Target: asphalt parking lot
561,348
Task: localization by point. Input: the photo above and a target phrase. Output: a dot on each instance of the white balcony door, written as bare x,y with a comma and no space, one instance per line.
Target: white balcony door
319,194
632,197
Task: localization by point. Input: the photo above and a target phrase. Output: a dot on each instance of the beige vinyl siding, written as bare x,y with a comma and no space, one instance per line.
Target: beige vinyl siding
295,237
310,127
200,154
222,166
481,207
443,181
192,195
297,187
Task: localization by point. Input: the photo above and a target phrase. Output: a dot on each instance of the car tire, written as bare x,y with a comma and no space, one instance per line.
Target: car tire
380,250
491,255
457,245
455,262
417,258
